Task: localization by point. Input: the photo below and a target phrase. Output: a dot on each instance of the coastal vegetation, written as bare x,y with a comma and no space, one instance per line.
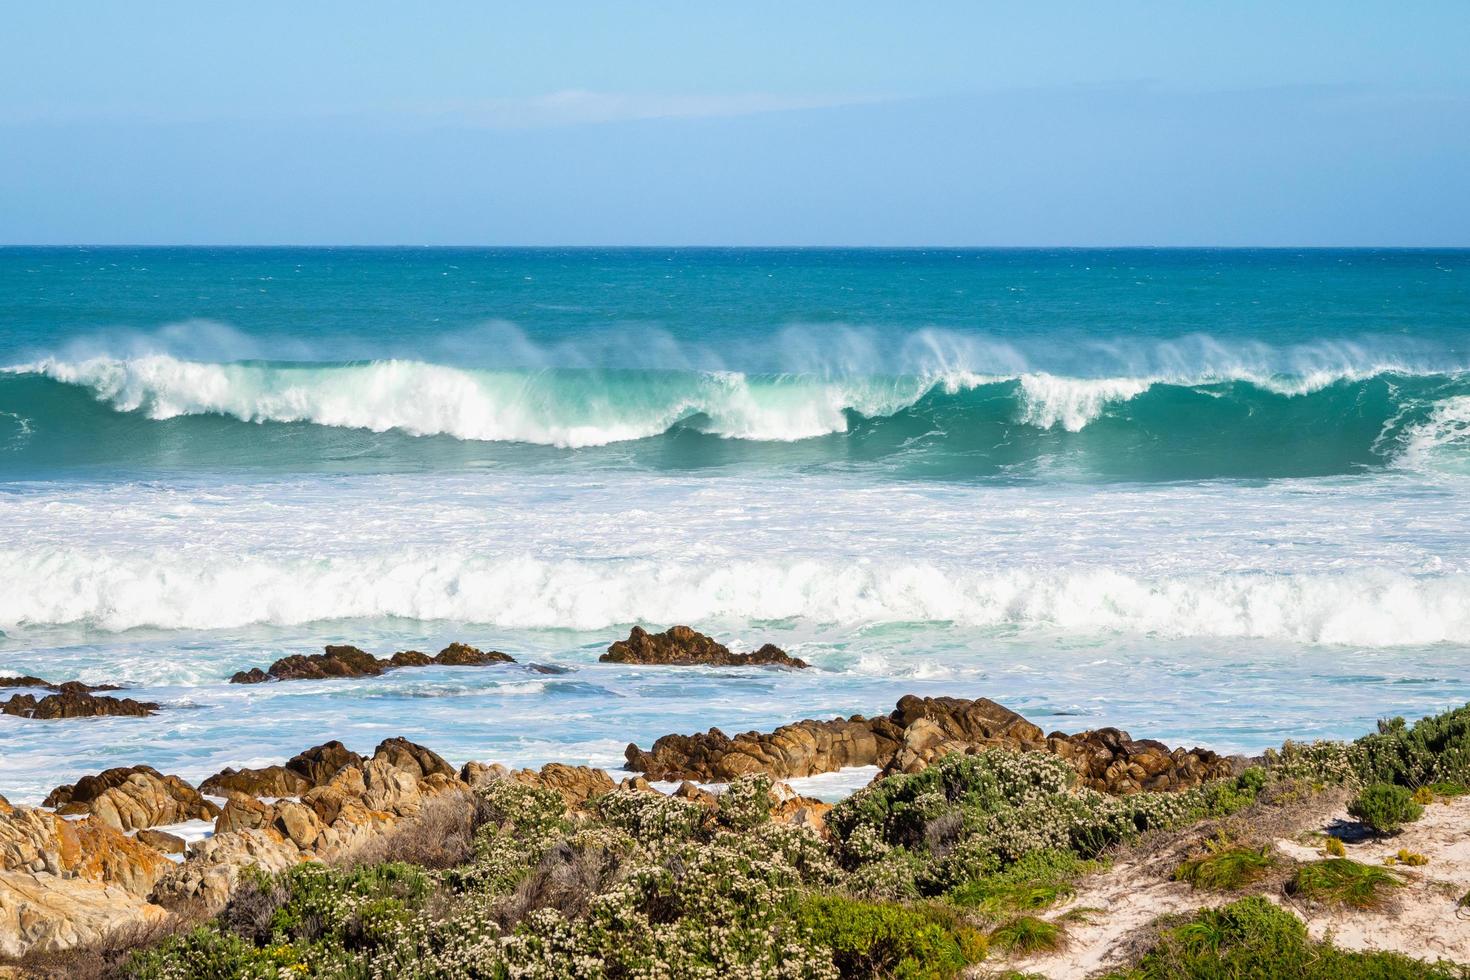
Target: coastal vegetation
972,860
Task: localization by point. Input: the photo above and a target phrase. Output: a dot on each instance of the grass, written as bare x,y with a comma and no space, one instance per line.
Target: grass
1335,847
1226,867
1252,938
1026,934
1341,881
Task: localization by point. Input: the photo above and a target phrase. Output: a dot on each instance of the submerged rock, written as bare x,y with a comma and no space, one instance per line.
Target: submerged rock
681,646
349,661
74,704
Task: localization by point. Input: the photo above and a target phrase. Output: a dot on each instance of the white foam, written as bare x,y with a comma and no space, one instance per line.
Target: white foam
120,592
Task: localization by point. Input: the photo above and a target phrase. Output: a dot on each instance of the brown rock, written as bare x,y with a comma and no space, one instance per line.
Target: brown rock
349,661
411,757
320,763
73,704
919,732
576,784
464,655
242,813
681,646
272,781
297,822
133,798
161,841
475,773
65,687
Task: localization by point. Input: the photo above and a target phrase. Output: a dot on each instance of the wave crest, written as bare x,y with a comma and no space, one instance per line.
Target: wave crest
1366,608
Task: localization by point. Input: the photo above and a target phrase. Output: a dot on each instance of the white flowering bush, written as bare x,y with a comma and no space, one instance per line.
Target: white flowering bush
746,803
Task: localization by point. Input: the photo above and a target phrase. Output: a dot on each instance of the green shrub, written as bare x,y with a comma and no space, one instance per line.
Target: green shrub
1252,938
1433,749
881,939
1225,867
1385,807
1035,882
1026,934
1341,881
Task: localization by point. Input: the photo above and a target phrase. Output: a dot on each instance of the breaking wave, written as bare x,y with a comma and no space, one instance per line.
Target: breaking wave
119,592
949,421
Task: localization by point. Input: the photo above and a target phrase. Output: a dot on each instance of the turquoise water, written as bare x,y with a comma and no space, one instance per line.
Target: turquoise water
1216,496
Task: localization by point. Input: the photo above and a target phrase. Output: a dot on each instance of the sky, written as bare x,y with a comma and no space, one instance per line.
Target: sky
841,123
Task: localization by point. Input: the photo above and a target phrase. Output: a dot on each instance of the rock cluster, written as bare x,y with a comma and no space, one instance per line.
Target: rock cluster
349,661
132,798
65,687
918,732
681,646
75,704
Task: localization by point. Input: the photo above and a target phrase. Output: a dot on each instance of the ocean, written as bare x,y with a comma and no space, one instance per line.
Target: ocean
1219,497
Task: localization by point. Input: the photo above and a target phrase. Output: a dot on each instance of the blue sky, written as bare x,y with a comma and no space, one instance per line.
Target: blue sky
759,123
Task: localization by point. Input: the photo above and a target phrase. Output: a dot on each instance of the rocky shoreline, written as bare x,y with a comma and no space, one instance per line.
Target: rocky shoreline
970,803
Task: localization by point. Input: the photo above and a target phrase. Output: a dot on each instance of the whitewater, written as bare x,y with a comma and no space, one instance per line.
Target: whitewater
1212,496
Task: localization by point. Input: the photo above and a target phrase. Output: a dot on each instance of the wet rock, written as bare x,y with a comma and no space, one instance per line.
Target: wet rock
73,704
65,687
412,758
132,798
161,841
464,655
576,784
681,646
349,661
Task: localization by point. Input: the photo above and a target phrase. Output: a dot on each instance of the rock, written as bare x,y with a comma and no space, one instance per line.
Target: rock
320,763
242,813
681,646
577,784
210,874
133,798
298,822
476,773
65,687
272,781
919,732
802,749
349,661
26,681
73,704
161,841
411,757
64,883
463,655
